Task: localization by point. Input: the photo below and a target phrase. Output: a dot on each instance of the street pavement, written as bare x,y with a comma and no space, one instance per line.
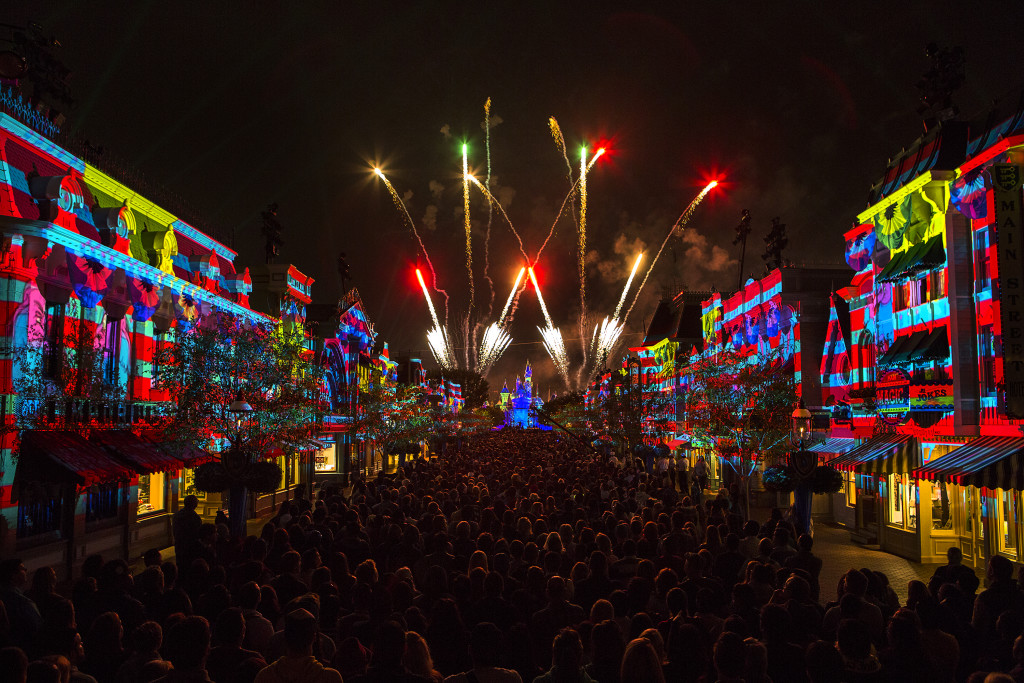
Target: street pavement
839,554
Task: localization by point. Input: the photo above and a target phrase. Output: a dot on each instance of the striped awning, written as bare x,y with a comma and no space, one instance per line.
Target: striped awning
883,454
834,446
989,461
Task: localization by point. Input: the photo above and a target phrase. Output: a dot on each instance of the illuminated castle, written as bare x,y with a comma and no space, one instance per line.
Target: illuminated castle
518,406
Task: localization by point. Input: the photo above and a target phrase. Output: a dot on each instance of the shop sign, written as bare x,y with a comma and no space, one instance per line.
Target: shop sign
932,395
892,396
326,460
1009,214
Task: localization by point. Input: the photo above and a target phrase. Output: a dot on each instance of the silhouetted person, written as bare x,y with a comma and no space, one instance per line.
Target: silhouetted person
185,525
22,613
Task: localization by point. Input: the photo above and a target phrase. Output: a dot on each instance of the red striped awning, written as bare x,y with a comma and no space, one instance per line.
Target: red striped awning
881,455
988,461
141,455
49,455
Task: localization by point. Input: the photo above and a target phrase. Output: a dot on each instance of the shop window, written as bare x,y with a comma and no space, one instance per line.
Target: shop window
40,509
942,517
188,485
326,460
897,504
850,486
975,511
1007,521
104,502
902,501
152,492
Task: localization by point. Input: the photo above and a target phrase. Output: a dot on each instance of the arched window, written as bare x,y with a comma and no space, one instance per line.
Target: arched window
866,359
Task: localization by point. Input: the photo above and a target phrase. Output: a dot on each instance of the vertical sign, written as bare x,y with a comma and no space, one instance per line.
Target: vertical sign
1009,218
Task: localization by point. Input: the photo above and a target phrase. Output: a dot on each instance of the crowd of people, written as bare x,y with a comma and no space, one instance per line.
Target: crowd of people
523,556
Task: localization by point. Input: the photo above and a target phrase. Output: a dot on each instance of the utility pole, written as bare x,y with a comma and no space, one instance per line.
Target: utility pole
343,272
742,231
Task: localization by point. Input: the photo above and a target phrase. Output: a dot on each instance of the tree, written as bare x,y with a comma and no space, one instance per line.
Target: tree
475,389
224,359
57,370
626,412
742,405
393,417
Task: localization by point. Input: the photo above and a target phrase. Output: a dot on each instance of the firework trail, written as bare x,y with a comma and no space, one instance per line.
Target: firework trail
561,209
680,223
511,295
465,214
426,295
625,290
437,337
501,210
467,324
556,135
405,211
490,210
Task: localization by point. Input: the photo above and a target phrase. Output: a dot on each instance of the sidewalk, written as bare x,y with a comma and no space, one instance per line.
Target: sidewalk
839,554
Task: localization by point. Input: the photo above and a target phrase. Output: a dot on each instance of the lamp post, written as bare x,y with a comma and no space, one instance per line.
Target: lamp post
802,464
236,462
801,426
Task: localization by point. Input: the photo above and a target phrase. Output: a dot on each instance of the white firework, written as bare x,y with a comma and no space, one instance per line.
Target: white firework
494,343
437,340
555,347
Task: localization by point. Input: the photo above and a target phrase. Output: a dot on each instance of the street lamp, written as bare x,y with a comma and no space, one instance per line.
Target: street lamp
800,430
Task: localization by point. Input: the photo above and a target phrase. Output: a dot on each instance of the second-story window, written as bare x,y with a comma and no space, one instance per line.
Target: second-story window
982,260
54,348
112,352
986,357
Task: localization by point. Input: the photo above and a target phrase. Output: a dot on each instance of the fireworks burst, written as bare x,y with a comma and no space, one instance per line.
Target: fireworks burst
441,348
606,334
492,346
556,349
676,229
490,210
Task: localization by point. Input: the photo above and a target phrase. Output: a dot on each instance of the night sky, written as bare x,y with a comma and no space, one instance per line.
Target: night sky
796,106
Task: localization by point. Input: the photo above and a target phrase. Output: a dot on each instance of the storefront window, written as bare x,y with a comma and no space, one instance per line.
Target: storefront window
1007,521
913,500
326,460
850,484
941,517
282,462
188,485
152,488
104,502
897,502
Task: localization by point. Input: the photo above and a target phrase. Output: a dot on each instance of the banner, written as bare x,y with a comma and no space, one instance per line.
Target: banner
1009,222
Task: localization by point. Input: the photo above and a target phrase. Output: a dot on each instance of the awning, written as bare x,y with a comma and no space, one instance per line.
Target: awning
142,456
186,455
920,257
68,456
901,349
988,461
883,454
918,347
834,446
935,347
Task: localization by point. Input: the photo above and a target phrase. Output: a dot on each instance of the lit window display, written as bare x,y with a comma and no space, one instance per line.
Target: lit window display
1007,521
903,500
152,488
850,487
326,460
188,485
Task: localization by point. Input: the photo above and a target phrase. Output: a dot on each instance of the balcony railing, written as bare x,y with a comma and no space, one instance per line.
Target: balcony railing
82,412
